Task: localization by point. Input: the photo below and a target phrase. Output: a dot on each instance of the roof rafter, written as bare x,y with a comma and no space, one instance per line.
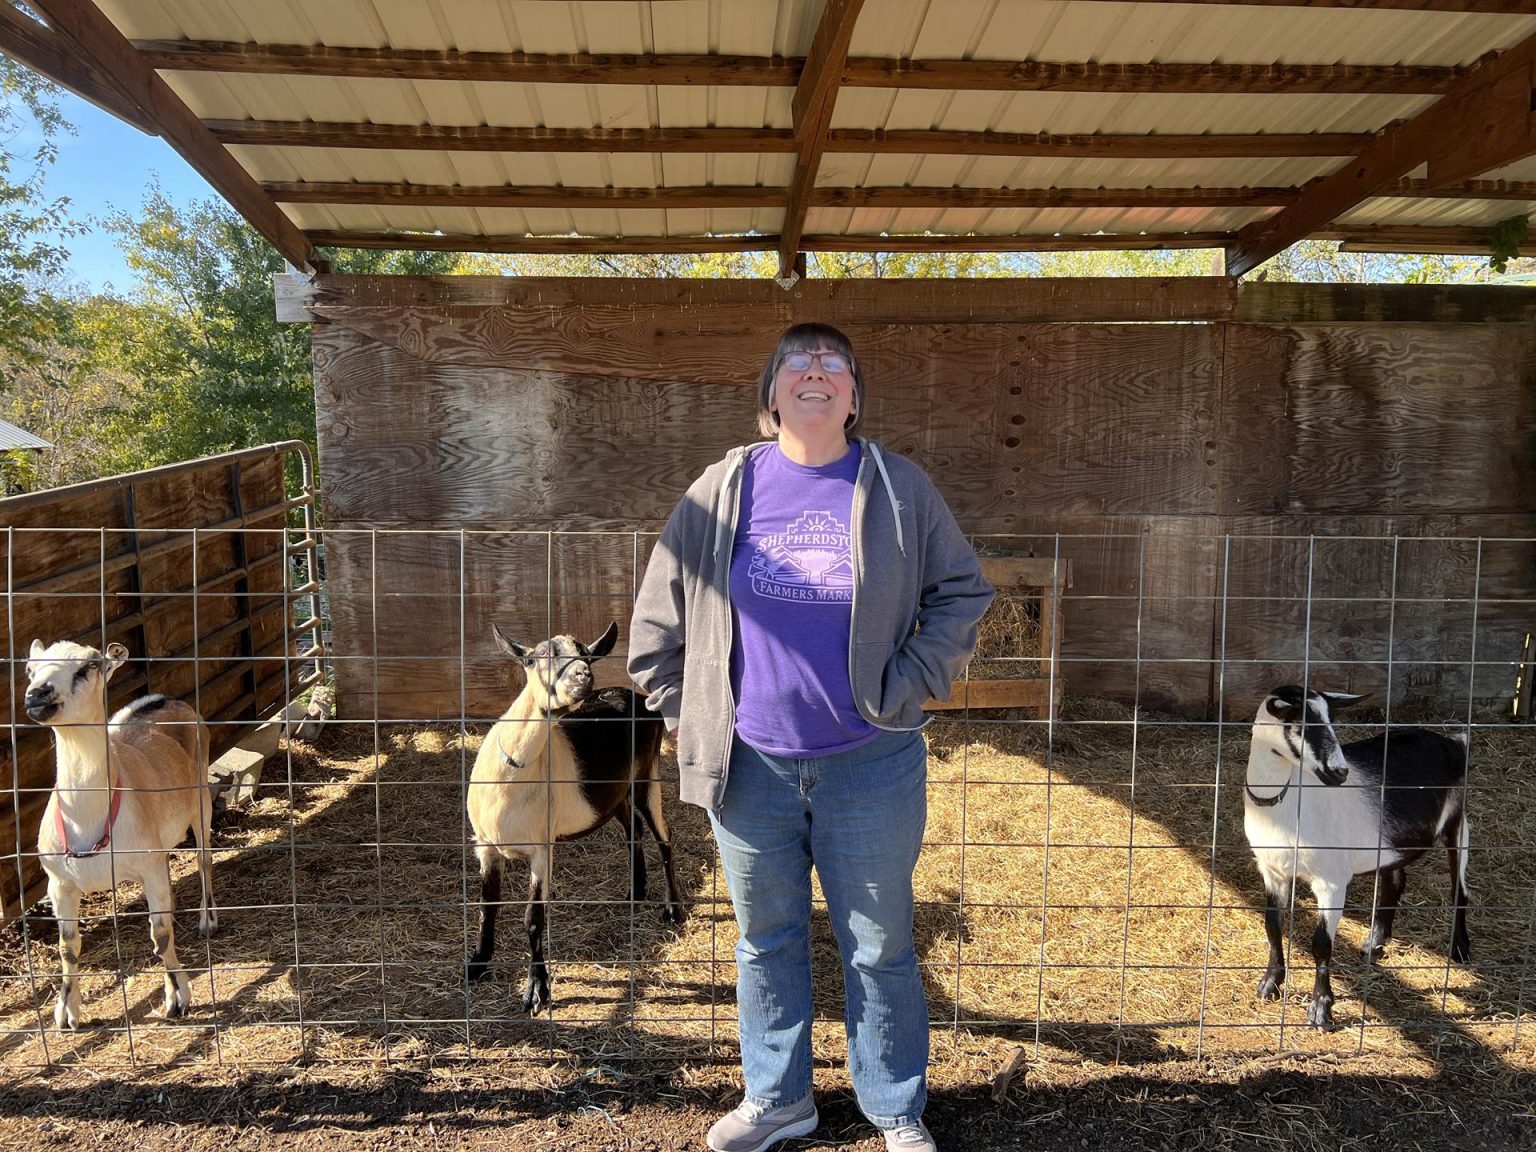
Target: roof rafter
1374,238
491,138
98,39
687,245
780,71
1440,133
815,97
1202,79
718,196
1411,238
753,196
498,67
1096,145
55,56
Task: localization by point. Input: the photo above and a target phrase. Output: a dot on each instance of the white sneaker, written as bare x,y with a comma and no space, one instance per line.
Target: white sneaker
751,1128
909,1138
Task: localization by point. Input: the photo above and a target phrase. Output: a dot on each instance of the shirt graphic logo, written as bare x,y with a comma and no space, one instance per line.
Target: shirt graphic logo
811,560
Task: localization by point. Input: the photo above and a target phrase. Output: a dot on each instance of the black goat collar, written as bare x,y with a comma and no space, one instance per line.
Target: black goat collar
1267,801
1271,801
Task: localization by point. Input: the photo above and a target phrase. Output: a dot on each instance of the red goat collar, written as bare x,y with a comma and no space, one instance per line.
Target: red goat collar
106,833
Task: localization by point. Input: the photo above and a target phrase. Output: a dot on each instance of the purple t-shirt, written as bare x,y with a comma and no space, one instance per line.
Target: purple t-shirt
792,603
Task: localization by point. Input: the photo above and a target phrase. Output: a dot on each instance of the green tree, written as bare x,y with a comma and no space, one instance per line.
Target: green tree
214,369
32,227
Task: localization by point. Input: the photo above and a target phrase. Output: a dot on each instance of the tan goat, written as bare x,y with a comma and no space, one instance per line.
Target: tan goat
561,762
126,792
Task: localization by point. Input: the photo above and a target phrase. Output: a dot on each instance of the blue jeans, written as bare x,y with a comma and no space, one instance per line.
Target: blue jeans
858,817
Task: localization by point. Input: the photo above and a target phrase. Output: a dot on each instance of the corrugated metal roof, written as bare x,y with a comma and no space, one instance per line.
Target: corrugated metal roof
1070,32
14,437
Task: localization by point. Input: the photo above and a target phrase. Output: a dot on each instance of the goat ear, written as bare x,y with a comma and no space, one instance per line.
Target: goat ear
1281,709
113,658
37,649
1337,700
511,647
604,643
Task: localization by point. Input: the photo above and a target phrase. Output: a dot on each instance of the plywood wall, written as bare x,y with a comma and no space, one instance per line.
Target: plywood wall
1297,493
185,568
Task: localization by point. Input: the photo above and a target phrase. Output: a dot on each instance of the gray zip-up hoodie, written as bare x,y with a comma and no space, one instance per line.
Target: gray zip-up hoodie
918,594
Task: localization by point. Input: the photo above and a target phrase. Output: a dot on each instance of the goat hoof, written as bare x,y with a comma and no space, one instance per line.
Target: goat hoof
1461,950
535,997
207,925
175,1007
1269,987
65,1017
1320,1015
475,971
671,914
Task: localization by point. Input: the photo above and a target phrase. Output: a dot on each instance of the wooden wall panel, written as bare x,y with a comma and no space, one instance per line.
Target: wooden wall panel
1379,419
396,600
1274,459
118,560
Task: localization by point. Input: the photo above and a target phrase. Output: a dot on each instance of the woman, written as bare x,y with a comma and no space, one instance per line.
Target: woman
806,598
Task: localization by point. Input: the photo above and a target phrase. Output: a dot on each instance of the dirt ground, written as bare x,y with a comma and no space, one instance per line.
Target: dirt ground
1304,1104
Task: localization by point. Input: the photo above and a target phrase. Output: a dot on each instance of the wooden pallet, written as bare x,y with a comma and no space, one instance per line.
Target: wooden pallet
1042,693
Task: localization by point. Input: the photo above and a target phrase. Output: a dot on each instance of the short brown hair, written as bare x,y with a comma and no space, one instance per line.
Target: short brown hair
808,338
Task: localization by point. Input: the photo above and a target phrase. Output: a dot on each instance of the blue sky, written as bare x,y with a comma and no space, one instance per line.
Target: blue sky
106,167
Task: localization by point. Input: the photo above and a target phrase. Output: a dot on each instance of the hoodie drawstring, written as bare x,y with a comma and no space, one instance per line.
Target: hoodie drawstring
890,493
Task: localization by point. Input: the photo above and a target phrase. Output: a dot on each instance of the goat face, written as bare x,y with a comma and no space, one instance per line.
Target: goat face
559,669
1306,720
67,682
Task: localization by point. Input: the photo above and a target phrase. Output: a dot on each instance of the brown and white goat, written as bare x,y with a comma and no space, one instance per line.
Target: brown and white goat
560,763
127,790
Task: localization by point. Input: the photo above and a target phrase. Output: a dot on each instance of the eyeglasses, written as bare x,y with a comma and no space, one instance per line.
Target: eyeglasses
834,362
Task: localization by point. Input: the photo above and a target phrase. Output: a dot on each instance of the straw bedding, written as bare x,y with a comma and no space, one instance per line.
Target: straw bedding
1085,893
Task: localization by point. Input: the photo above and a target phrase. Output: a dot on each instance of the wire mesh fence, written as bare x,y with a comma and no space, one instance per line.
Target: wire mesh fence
1086,884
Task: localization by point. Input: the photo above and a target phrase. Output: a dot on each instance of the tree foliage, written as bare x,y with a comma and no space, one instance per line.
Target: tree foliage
32,227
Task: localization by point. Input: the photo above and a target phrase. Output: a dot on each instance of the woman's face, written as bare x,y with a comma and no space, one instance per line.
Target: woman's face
813,392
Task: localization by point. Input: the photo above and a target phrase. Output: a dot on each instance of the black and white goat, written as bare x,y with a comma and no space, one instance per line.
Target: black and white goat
1406,795
127,790
560,763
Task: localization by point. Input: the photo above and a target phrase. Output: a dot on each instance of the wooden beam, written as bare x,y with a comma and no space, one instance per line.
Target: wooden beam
1289,303
862,302
1085,242
1466,190
783,71
1415,238
98,39
1391,155
541,245
815,96
688,245
488,138
1150,146
949,197
514,196
1202,79
1498,127
494,67
53,55
758,196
